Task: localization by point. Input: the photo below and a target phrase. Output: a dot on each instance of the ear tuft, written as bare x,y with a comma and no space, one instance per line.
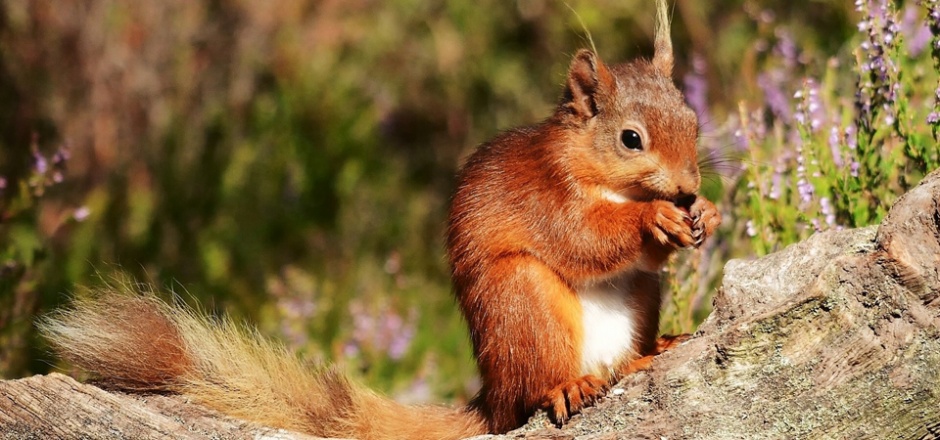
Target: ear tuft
662,56
583,82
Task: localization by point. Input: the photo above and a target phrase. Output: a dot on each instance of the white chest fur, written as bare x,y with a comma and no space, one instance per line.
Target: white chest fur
609,325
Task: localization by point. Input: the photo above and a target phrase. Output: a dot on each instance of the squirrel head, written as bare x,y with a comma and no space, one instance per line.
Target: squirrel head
637,138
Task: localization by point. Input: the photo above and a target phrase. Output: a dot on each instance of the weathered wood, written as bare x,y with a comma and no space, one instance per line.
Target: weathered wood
835,337
58,407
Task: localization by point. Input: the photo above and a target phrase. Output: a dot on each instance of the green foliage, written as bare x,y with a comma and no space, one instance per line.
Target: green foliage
290,162
859,136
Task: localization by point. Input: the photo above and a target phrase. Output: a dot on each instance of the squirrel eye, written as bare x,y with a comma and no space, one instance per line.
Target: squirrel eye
631,140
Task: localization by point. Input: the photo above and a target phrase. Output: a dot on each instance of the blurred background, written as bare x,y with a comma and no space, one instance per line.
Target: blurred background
289,162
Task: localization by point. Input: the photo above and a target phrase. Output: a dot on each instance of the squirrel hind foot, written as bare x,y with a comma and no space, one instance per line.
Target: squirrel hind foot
569,398
668,342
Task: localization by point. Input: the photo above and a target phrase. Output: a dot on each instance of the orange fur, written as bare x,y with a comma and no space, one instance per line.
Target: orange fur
545,211
557,232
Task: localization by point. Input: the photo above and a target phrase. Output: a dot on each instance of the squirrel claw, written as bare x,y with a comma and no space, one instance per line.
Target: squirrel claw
571,397
671,225
707,219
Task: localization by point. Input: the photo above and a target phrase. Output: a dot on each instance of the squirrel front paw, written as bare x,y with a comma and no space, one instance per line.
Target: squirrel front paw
705,219
671,225
571,397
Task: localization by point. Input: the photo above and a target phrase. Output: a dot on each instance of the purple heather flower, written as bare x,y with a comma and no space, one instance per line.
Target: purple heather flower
771,84
419,392
806,191
81,213
42,166
388,333
400,334
786,48
751,230
934,116
851,137
809,110
767,16
878,83
803,186
350,349
826,208
814,106
696,91
741,140
297,307
835,141
916,33
815,223
61,156
775,183
295,293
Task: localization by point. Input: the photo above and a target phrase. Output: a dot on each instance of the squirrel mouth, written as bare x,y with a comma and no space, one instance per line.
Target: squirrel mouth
685,202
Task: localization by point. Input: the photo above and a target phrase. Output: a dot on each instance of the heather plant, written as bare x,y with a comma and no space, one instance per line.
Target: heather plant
23,249
831,145
853,135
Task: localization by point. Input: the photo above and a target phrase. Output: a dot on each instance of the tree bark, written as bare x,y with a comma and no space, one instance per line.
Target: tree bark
834,337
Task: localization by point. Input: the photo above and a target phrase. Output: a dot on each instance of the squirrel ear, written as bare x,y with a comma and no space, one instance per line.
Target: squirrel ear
584,79
662,44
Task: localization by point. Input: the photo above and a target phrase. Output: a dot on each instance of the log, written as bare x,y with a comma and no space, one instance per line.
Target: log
55,406
834,337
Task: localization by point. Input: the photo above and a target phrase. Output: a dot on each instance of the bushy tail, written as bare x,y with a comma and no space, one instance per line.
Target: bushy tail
138,342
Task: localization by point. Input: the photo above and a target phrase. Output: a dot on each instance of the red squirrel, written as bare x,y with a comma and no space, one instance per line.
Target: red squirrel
558,232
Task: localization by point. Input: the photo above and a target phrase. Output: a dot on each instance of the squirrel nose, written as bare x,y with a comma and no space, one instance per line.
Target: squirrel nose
687,183
687,186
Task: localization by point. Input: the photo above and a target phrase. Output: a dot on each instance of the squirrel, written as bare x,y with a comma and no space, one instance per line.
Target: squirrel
557,234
